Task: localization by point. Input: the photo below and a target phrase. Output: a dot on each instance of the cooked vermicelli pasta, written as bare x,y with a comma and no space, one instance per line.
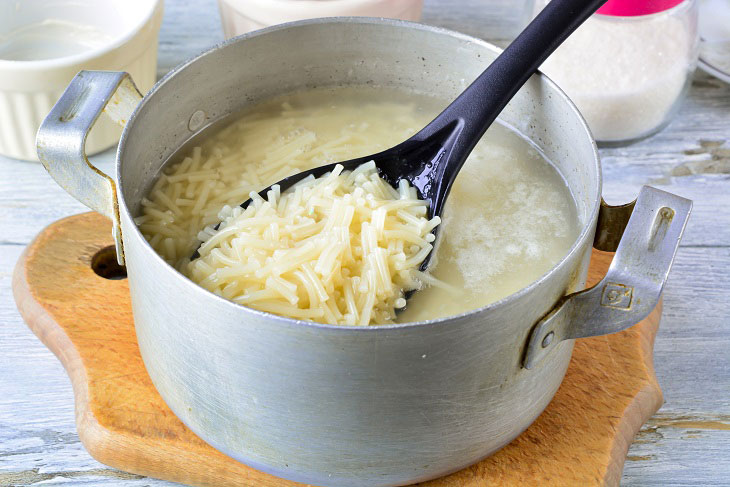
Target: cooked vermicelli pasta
255,151
508,220
341,249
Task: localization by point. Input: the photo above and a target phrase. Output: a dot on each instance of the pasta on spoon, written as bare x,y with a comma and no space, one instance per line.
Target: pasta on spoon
343,248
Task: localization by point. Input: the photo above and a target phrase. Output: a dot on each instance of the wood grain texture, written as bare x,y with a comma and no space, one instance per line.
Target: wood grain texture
677,447
581,439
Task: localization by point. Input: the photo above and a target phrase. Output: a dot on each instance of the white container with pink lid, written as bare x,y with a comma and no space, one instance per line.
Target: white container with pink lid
628,67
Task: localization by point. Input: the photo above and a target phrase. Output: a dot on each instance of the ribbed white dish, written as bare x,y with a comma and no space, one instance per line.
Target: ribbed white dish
29,89
241,16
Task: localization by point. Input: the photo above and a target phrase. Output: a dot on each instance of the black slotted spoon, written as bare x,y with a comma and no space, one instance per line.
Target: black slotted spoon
432,158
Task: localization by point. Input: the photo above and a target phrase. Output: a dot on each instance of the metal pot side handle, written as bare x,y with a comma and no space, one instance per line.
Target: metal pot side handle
61,139
634,282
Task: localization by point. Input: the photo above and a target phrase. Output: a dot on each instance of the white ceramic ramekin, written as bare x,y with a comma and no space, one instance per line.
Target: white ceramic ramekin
30,88
241,16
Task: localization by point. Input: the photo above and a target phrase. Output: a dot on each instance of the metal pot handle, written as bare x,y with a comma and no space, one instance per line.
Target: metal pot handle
635,279
61,139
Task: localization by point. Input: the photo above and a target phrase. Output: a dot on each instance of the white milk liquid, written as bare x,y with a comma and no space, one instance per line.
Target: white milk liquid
50,39
509,219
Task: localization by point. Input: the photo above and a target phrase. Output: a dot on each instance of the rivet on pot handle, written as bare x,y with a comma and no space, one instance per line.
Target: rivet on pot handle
61,139
631,288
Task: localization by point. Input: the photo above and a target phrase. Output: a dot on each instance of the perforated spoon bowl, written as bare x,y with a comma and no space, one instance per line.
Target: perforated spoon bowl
432,158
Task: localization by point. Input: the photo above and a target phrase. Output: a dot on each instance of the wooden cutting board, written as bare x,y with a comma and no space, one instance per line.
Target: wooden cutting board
581,439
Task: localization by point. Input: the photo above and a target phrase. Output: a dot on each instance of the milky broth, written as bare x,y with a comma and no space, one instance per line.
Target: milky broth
509,218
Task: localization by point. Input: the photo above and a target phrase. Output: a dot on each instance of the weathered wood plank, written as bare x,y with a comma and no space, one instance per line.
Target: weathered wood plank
38,440
42,201
30,199
672,451
688,441
690,353
691,348
189,27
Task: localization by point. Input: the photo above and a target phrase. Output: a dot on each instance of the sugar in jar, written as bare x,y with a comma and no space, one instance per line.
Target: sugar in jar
629,66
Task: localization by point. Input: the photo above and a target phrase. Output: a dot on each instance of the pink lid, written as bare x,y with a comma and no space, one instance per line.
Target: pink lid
630,8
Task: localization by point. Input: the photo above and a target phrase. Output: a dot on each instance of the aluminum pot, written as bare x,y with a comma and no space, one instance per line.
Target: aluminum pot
335,405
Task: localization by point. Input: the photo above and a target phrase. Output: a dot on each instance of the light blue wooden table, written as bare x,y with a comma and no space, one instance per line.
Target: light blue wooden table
686,443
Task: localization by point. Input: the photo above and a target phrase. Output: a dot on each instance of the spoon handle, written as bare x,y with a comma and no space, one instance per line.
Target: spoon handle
478,106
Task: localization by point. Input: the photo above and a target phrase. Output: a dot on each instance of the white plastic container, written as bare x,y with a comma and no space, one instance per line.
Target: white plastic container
241,16
44,43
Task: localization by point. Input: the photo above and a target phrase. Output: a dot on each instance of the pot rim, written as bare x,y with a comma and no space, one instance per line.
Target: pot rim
284,321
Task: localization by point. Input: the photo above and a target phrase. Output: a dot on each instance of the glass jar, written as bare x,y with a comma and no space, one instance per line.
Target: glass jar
629,67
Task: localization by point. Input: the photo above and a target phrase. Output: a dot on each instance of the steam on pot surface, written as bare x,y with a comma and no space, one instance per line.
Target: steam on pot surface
509,219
